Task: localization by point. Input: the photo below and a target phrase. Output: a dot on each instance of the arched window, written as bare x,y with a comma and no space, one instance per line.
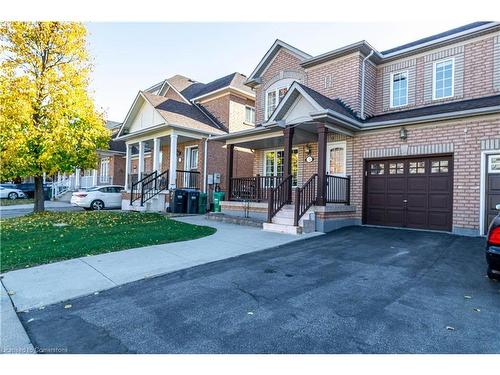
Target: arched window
274,94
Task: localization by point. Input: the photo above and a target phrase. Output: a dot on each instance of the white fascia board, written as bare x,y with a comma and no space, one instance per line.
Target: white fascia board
139,95
246,94
177,92
443,39
278,44
241,133
294,87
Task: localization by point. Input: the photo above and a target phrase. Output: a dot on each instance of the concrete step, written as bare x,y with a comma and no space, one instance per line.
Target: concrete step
283,220
281,228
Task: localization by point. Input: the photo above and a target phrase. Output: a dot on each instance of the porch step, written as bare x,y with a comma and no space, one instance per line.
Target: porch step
281,228
283,220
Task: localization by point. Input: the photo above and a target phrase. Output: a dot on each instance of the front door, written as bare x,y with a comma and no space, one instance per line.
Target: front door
492,187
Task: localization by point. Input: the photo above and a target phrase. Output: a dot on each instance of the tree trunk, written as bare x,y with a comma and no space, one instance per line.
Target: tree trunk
39,198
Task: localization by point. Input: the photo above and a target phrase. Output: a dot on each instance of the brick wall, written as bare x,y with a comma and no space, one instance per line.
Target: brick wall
465,136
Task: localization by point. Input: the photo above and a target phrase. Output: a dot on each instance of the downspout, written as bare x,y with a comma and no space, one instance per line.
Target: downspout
205,153
363,84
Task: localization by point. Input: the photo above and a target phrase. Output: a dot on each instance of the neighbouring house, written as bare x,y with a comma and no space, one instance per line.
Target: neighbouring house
166,132
110,169
407,137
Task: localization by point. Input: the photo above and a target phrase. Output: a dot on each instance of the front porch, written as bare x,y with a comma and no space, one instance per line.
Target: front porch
312,187
159,164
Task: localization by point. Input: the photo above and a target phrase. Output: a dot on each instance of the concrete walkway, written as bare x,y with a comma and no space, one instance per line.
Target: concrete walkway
47,284
13,338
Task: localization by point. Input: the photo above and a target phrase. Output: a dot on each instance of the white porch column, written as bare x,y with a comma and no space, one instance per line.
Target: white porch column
141,160
173,161
94,177
77,178
128,163
156,155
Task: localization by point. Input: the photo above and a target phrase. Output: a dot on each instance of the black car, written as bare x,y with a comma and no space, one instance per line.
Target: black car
28,188
493,248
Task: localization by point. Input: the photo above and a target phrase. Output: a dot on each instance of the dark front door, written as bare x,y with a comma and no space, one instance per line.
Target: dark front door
413,193
492,188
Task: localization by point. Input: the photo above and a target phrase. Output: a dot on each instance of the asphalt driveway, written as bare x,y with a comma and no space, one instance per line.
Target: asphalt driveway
357,290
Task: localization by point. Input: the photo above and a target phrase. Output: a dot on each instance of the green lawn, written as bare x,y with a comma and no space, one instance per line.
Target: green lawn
37,239
12,202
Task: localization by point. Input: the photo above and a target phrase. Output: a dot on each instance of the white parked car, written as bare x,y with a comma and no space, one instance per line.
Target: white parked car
11,193
98,197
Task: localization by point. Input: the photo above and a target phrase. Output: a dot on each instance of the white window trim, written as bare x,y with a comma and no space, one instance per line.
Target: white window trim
187,157
275,150
251,108
406,72
452,78
103,177
342,144
285,83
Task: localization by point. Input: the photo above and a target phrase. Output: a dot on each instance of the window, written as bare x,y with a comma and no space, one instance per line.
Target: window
396,168
417,167
191,162
443,79
336,158
494,164
250,115
439,166
399,89
377,168
273,97
273,164
104,172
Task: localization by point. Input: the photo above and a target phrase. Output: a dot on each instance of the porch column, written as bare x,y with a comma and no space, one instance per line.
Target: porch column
141,160
156,155
287,157
128,160
229,169
94,177
322,136
173,161
77,178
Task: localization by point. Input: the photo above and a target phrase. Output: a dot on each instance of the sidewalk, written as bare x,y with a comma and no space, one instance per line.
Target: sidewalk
23,209
47,284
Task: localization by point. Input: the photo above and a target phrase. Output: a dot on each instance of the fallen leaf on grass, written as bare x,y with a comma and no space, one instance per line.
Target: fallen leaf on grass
467,297
477,310
68,306
450,328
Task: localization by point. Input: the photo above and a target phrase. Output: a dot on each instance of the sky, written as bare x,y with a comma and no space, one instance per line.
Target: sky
129,57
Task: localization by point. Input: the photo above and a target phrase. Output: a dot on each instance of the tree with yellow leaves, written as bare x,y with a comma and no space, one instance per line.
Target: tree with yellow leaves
48,121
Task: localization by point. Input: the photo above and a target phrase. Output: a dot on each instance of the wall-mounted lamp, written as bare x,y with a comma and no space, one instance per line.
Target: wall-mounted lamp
308,150
179,158
403,134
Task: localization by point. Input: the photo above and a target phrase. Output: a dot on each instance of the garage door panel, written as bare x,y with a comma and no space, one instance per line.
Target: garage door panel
413,192
376,200
439,183
394,217
417,184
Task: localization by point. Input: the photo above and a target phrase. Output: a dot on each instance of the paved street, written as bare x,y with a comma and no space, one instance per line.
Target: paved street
357,290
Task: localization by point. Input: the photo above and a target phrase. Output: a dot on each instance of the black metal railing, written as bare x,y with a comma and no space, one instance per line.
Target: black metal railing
153,186
278,197
305,197
136,187
338,189
254,189
188,179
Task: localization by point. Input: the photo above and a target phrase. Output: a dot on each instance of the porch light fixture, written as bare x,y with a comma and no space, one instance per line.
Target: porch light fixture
403,134
308,150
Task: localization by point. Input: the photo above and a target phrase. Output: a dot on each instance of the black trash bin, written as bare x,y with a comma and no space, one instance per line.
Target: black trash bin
192,201
180,201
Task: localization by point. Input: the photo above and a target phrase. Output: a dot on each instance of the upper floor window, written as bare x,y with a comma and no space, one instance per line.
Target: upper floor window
443,79
250,115
399,89
273,97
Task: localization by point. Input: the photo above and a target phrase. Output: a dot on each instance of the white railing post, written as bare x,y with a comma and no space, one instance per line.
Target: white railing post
141,160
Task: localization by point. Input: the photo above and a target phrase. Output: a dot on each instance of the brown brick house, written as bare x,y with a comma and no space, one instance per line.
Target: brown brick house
166,132
408,137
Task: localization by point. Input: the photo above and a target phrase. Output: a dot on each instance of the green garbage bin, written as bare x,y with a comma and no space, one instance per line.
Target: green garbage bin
202,203
218,197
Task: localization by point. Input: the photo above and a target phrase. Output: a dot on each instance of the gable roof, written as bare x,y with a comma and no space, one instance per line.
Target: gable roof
235,80
269,56
174,112
317,100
